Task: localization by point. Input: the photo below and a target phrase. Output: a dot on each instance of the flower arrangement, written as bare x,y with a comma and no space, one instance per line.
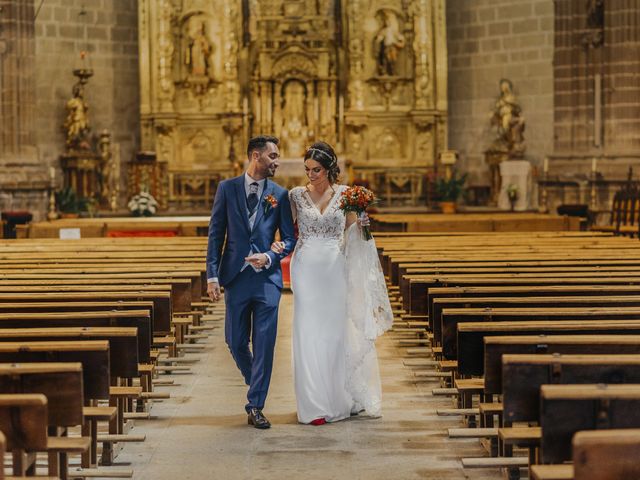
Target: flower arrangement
357,199
143,204
269,203
513,194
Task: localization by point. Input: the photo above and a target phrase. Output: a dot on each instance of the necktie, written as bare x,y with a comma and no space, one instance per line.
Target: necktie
252,199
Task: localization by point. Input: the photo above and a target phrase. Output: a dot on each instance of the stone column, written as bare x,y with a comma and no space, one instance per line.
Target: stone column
17,98
23,182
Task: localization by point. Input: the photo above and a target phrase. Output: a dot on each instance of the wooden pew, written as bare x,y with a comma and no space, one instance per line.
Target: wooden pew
471,335
454,318
160,303
496,347
139,319
597,455
416,302
523,375
528,291
534,304
23,422
61,383
568,409
94,358
179,289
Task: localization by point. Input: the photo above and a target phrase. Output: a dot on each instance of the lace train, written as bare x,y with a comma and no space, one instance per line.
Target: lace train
369,314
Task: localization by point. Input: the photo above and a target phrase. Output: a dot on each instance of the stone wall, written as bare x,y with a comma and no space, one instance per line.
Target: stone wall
109,32
489,40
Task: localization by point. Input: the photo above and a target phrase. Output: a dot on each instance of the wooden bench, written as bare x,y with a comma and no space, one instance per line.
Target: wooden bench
597,455
139,319
541,307
568,409
471,335
61,384
528,291
496,347
453,319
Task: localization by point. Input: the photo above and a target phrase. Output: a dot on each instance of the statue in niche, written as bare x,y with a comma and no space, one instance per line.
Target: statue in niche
594,35
507,117
198,52
388,42
294,120
77,121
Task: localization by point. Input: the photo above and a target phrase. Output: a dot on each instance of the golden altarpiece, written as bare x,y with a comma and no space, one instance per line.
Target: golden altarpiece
368,76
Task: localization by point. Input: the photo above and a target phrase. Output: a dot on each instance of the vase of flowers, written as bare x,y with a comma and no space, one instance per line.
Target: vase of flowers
512,195
143,204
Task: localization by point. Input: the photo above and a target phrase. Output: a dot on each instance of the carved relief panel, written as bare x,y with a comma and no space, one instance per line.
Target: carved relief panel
359,74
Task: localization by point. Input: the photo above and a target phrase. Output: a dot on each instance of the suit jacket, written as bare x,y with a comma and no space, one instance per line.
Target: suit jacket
229,220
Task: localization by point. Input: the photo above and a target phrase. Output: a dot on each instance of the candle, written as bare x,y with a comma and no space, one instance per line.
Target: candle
545,165
594,164
245,106
52,173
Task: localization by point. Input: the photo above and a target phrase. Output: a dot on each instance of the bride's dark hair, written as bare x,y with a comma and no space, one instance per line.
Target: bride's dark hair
324,154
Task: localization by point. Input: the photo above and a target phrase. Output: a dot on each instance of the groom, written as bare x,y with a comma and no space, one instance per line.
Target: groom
248,210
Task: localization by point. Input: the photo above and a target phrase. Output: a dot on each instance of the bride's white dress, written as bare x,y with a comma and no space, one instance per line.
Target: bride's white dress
340,307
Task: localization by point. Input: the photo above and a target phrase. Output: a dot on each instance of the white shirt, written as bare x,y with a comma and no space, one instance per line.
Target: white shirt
248,180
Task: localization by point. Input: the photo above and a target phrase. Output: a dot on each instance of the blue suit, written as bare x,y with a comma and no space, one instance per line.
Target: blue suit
251,297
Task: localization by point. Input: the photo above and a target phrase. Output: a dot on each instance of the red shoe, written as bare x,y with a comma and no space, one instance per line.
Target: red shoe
318,421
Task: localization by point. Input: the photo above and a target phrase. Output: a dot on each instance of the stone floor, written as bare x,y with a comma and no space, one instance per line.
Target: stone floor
201,432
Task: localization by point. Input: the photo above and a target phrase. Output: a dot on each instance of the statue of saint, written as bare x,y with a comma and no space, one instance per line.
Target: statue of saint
388,42
294,124
506,116
198,52
77,121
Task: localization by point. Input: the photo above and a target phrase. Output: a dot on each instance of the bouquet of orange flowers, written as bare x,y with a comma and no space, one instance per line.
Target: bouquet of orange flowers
357,199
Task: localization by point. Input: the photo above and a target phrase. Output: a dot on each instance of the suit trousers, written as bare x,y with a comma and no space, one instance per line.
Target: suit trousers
252,302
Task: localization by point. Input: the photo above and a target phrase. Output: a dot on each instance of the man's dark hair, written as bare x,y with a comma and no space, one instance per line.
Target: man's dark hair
259,143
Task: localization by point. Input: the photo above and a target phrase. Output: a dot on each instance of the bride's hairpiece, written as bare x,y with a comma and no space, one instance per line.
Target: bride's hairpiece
333,160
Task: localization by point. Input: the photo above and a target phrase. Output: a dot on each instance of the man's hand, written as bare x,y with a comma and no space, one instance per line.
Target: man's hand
213,290
258,260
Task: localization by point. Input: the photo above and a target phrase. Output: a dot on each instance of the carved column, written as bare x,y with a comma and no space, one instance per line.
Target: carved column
421,48
232,87
146,132
356,56
164,57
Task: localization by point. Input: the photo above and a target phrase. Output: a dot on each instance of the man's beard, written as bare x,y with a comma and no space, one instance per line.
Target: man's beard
271,172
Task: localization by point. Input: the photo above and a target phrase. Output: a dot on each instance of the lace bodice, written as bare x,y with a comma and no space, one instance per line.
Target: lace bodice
328,225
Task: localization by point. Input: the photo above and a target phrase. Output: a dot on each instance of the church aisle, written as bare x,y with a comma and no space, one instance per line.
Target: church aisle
201,432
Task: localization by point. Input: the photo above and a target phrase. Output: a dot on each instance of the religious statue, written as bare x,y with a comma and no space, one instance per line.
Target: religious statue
198,51
294,124
506,116
388,42
77,121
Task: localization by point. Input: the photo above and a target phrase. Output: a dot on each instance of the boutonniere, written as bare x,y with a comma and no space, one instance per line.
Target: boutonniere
269,203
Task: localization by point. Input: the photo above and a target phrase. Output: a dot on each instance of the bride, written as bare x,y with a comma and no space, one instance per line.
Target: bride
340,300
